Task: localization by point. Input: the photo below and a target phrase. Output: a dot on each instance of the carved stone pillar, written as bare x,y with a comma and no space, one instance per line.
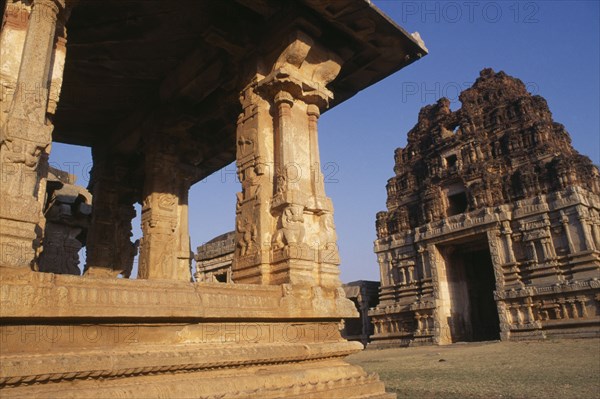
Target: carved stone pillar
595,224
564,219
532,252
318,181
110,251
495,254
582,217
164,214
422,260
25,136
184,246
507,234
284,223
388,266
403,281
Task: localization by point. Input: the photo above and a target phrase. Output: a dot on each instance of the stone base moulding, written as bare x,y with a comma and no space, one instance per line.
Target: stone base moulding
173,339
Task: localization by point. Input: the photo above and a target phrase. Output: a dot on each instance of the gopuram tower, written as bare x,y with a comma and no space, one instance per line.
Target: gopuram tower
492,228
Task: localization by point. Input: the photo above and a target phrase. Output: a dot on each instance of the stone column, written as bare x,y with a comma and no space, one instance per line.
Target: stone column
402,270
385,267
532,252
596,233
164,214
25,135
184,248
585,230
318,180
497,259
564,219
293,240
110,251
422,260
507,234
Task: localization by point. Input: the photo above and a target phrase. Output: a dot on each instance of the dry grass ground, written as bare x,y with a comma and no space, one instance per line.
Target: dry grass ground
545,369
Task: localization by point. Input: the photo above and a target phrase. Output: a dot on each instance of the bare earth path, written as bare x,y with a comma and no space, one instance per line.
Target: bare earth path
545,369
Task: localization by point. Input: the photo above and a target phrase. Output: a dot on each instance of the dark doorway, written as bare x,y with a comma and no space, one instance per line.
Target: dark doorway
471,285
481,284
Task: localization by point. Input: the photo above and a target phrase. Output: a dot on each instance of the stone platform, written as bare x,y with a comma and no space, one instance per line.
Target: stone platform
68,336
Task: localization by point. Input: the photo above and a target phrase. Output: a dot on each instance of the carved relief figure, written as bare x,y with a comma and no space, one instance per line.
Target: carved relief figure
247,242
292,227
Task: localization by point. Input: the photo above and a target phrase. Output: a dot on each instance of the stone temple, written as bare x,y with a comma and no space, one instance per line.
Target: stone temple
165,93
493,225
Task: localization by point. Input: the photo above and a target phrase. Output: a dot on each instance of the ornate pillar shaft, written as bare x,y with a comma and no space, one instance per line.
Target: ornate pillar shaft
403,272
164,209
497,260
596,233
383,270
545,252
34,71
256,165
110,251
507,234
284,223
315,159
422,260
285,164
587,236
533,251
25,137
564,219
184,249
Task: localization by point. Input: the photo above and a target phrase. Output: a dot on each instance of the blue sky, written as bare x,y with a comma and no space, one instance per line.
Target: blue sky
552,46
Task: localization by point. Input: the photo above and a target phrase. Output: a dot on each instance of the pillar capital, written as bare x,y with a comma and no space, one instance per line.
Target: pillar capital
283,97
303,68
52,7
313,110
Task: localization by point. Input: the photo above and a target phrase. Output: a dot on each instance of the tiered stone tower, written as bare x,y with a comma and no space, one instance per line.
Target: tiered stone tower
492,228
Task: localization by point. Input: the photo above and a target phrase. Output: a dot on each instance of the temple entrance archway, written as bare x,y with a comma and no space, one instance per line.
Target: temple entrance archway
471,285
